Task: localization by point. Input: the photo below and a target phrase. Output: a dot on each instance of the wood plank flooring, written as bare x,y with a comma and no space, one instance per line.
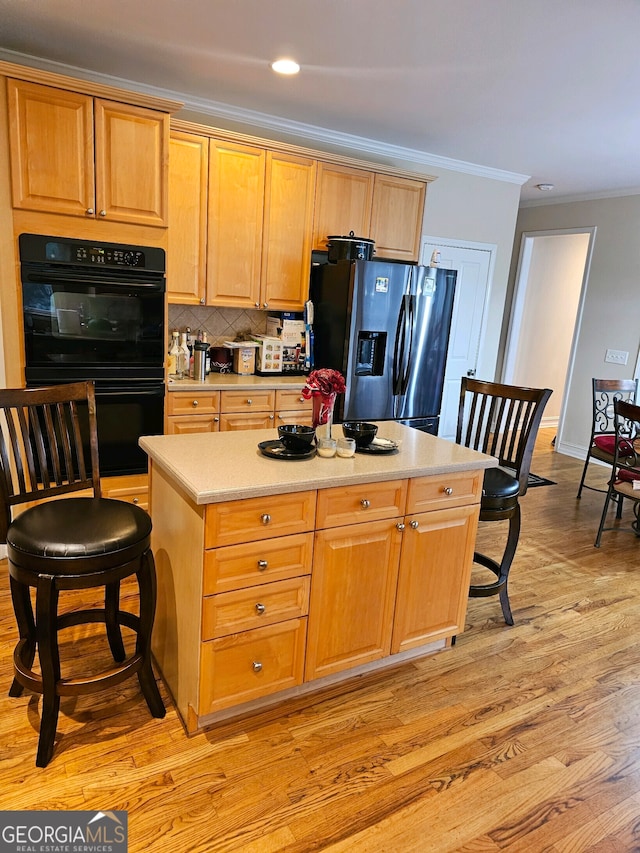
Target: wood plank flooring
521,739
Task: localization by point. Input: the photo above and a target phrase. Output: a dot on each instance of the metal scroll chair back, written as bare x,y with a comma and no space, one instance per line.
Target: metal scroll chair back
502,421
601,442
625,470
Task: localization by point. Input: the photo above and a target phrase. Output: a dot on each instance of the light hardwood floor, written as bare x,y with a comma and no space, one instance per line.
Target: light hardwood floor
521,739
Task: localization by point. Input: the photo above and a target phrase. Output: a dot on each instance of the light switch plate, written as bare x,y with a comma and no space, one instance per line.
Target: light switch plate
616,356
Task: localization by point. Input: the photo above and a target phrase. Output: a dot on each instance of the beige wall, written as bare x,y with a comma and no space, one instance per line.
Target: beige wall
611,312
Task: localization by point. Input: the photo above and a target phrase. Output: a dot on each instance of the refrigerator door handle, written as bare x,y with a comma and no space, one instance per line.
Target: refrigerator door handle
411,322
400,349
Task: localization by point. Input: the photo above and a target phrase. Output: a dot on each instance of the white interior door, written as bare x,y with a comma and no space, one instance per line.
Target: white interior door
474,264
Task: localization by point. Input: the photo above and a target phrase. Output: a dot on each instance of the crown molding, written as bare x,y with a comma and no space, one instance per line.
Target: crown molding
570,199
269,122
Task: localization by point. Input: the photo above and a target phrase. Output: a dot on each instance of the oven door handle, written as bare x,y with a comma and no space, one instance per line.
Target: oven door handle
130,392
72,276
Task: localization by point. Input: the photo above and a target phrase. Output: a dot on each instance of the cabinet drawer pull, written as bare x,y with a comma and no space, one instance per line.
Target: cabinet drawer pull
194,403
265,518
400,525
448,490
415,525
256,666
260,608
262,565
365,504
136,501
249,401
301,399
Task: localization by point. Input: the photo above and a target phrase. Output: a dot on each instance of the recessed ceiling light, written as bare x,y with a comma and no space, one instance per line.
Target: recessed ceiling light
285,66
545,187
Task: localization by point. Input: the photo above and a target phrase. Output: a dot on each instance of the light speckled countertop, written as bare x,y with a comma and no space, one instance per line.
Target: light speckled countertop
235,382
219,466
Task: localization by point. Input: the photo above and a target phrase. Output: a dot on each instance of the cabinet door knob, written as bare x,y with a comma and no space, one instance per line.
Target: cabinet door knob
257,304
202,300
260,608
400,526
216,419
265,304
249,401
136,501
415,525
256,666
103,213
262,565
448,490
365,504
90,211
194,403
265,518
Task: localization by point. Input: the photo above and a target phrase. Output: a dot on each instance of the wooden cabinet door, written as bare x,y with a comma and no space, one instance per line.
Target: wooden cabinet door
396,218
51,133
343,203
132,163
234,242
288,220
433,582
187,246
353,590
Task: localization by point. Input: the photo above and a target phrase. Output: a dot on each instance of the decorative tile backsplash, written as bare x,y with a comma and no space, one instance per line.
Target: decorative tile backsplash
220,324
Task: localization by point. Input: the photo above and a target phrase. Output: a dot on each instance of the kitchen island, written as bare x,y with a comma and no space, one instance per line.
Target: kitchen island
277,578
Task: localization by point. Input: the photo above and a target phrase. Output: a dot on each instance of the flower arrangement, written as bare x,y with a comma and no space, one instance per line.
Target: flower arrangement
323,386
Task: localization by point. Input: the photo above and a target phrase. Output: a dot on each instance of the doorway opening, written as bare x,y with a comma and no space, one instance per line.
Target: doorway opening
550,288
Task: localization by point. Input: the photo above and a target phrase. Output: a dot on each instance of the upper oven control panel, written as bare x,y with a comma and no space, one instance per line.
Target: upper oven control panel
37,248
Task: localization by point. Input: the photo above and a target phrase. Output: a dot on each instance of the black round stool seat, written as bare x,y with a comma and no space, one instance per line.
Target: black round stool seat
499,490
78,535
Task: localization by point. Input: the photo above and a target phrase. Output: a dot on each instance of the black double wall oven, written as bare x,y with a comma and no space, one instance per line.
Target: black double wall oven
96,311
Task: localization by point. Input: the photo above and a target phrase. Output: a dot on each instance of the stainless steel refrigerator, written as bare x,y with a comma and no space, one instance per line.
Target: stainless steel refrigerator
385,326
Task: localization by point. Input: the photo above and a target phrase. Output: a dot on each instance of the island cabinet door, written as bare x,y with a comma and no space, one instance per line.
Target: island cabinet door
433,582
353,589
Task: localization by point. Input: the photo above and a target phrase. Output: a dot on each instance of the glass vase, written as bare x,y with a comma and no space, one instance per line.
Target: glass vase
323,414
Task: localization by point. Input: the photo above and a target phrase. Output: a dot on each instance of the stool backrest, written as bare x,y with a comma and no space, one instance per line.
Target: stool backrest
502,421
48,445
605,392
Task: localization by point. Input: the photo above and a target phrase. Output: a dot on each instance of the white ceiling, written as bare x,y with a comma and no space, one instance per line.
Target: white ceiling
544,89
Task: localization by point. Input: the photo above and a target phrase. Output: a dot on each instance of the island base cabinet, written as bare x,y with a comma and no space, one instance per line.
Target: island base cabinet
251,664
353,592
433,581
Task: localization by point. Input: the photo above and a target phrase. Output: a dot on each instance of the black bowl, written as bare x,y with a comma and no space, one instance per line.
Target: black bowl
362,432
296,437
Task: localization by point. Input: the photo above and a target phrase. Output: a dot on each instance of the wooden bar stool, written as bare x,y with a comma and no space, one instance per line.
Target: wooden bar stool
503,421
70,543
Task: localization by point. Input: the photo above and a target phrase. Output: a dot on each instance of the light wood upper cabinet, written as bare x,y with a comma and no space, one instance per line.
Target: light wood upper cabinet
187,239
52,164
80,156
396,217
344,197
236,202
288,219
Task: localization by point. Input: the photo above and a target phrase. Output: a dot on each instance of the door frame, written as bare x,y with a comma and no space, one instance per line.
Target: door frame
521,284
492,249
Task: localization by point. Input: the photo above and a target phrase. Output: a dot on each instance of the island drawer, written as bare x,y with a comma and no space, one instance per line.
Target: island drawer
258,400
292,399
251,664
369,502
184,402
442,490
238,566
254,607
252,519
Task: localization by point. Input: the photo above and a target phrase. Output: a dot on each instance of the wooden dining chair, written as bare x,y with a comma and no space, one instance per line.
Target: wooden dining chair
49,450
604,392
624,481
503,421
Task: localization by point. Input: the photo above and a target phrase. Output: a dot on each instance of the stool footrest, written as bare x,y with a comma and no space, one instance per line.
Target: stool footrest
486,589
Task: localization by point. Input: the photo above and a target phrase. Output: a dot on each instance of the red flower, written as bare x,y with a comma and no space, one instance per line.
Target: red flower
324,381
